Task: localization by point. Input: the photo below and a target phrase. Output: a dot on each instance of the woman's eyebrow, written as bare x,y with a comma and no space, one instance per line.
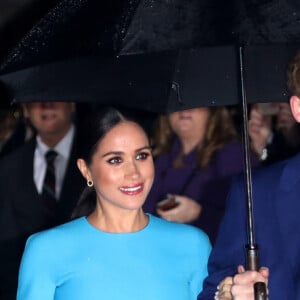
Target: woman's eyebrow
113,153
144,148
121,152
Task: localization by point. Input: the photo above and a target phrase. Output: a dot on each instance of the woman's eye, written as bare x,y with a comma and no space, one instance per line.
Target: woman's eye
115,160
142,156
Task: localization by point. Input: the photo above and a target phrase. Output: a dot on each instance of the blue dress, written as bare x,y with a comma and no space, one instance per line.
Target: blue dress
73,261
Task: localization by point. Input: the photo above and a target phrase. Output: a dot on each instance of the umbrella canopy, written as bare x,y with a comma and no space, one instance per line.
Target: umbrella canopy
160,82
17,18
266,71
142,81
61,45
67,29
266,22
163,25
54,58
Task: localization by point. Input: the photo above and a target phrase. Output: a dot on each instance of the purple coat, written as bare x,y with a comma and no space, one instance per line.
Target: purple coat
208,186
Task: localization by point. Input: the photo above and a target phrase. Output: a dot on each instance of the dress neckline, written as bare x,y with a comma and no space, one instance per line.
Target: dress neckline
97,230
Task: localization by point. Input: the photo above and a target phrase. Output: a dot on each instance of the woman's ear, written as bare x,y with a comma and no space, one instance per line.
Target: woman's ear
84,170
295,107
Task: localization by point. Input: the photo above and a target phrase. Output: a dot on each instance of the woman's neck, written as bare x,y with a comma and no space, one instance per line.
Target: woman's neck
118,222
188,145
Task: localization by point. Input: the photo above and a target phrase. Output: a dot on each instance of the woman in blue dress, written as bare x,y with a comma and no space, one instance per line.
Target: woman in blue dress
112,250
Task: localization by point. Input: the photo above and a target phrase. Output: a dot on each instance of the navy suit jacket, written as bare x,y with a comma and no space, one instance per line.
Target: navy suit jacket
276,196
22,212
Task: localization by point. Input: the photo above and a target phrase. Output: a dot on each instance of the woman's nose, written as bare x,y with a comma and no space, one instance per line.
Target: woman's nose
132,170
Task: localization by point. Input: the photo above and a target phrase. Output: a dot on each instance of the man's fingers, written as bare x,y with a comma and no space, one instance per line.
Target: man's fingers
223,296
226,281
241,269
224,289
247,277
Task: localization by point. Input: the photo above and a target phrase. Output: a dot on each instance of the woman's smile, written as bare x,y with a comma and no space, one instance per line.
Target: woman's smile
132,190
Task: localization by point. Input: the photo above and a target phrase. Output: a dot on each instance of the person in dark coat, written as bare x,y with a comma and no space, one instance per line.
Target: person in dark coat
276,222
23,210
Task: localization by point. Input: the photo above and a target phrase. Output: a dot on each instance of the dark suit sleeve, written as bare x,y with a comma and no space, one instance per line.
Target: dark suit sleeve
10,242
228,251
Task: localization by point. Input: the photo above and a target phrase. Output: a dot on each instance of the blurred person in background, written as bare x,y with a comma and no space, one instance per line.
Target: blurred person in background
14,131
34,195
274,133
196,152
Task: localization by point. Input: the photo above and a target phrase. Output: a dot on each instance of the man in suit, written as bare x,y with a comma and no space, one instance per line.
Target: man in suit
276,196
23,210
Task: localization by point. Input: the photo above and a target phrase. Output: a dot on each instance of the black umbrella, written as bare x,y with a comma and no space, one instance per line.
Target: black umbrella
64,29
161,82
73,33
19,19
98,79
91,27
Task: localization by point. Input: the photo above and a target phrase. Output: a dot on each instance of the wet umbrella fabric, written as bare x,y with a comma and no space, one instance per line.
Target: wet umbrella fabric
160,82
68,29
78,30
89,27
142,81
266,22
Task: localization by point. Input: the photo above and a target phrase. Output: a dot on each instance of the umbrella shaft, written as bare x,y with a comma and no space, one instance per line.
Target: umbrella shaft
248,179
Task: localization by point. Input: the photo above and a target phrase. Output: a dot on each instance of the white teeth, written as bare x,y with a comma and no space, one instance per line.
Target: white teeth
133,189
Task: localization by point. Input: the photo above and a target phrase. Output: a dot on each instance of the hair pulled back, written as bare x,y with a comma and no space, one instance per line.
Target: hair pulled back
91,131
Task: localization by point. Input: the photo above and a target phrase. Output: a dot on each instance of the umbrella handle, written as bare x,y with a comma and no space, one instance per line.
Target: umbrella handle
260,289
252,257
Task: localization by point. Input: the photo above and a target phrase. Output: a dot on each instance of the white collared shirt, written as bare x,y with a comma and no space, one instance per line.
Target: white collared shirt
63,148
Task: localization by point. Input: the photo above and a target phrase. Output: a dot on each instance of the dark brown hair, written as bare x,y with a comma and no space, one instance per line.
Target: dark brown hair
90,132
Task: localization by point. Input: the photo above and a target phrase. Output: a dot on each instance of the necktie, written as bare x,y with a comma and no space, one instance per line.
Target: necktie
48,191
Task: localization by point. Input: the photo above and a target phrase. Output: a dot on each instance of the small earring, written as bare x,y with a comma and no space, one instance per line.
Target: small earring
90,183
